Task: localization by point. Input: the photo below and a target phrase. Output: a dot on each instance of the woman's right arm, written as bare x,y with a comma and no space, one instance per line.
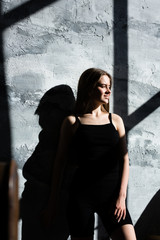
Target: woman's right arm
66,134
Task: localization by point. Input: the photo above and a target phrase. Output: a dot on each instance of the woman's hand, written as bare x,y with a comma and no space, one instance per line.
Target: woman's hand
120,208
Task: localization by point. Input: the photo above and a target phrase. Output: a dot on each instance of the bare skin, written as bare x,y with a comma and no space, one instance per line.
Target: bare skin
95,115
126,232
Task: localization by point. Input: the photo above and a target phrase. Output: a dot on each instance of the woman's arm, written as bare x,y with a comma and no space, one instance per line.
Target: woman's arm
120,210
66,134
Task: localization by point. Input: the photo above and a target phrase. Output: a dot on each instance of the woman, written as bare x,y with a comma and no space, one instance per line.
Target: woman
93,141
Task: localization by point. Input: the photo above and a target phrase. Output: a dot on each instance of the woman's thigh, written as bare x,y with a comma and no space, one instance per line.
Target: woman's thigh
125,232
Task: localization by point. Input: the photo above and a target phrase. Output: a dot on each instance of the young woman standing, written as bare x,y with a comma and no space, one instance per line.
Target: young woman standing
93,142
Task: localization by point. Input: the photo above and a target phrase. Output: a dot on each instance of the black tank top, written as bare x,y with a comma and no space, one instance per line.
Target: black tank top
94,150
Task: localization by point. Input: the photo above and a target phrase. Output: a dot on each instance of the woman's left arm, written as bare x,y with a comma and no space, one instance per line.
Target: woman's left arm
120,208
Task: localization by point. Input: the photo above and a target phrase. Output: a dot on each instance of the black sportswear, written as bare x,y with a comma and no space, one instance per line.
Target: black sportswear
96,183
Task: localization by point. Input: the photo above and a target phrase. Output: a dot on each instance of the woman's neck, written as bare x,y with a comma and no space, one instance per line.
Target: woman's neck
95,111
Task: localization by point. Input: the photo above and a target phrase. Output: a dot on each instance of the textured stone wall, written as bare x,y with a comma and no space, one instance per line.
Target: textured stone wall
144,73
55,44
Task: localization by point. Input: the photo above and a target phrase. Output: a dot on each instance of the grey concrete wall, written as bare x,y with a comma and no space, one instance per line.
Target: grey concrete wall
144,83
55,44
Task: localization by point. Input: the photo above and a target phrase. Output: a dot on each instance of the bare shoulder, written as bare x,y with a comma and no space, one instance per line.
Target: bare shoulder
118,123
116,118
71,119
69,124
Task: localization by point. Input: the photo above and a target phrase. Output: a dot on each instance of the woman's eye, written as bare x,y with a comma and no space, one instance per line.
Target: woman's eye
105,86
102,85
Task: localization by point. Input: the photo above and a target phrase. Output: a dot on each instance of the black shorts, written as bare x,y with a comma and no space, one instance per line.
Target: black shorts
81,209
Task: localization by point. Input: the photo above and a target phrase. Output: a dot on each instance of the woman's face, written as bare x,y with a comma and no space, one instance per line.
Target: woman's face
102,90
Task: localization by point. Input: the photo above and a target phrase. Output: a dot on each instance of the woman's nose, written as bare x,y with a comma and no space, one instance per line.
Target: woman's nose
107,90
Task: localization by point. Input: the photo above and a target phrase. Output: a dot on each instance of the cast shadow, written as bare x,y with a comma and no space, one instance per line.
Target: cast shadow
23,11
7,19
148,224
55,105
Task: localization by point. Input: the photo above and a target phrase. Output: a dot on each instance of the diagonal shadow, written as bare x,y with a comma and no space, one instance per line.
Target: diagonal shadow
142,112
149,221
6,21
23,11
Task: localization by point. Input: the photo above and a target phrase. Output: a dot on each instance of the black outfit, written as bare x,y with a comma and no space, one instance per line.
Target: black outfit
96,183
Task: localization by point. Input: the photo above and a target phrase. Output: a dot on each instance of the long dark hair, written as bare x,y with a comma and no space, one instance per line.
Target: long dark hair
86,84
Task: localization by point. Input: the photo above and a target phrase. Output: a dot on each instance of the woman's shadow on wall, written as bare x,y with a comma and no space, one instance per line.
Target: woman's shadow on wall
54,106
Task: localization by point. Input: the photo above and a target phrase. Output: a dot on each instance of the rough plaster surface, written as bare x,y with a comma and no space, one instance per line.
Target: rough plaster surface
54,46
